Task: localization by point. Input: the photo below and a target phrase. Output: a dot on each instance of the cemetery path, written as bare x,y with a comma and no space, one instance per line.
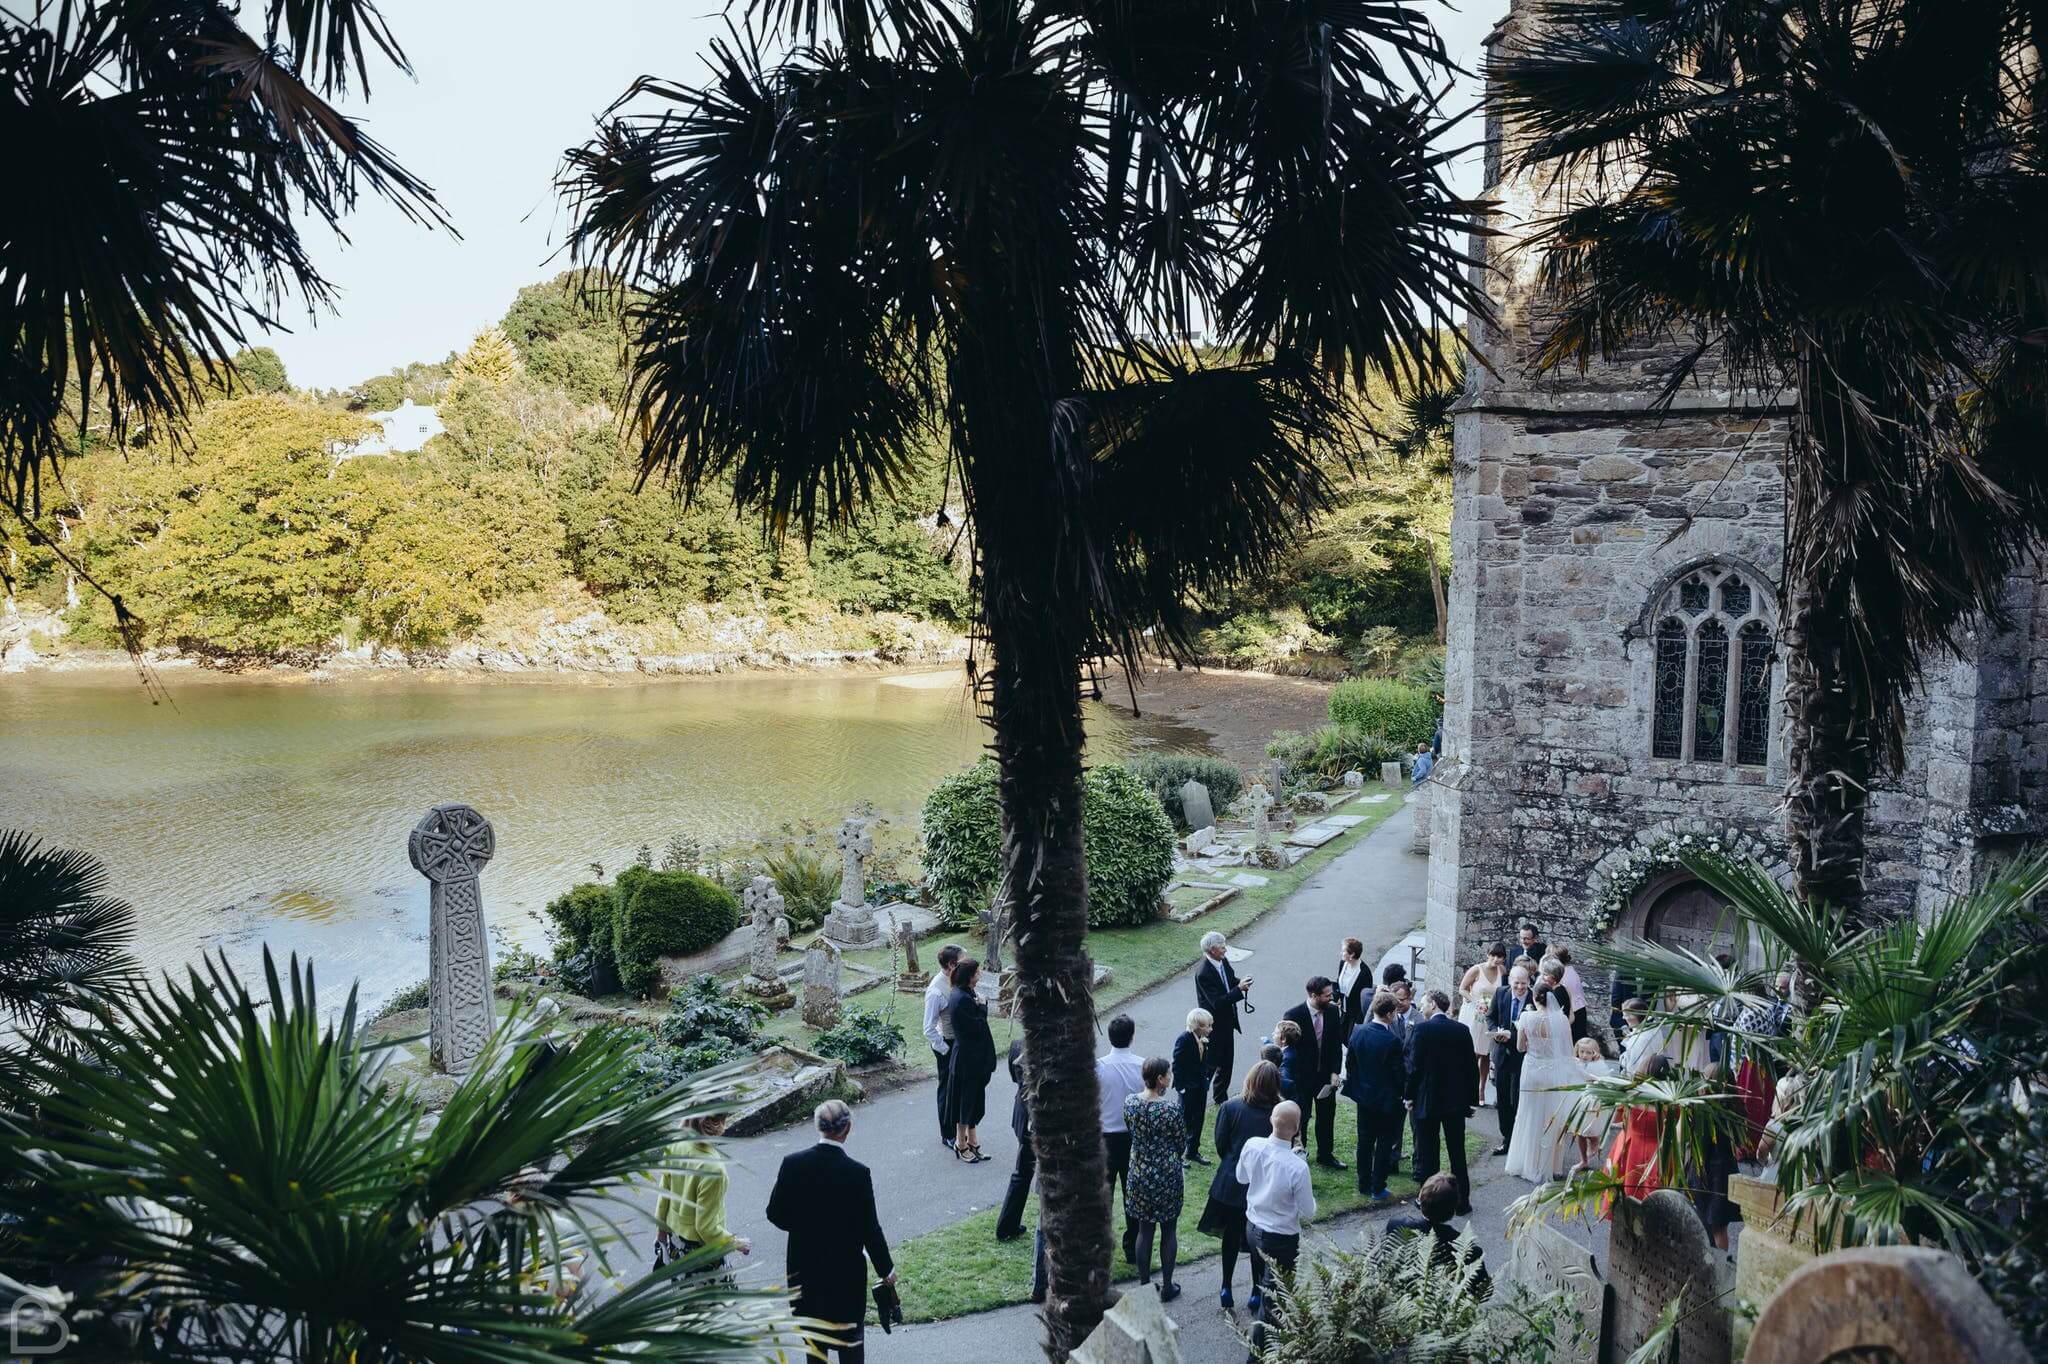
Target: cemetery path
1372,891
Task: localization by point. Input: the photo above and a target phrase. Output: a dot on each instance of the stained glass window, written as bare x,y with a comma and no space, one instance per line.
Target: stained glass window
1667,739
1753,703
1710,694
1711,699
1693,595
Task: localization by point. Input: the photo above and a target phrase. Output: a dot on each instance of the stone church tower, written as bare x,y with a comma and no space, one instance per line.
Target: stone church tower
1612,684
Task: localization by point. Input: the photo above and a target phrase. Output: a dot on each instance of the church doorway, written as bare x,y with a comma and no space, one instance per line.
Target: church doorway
1682,912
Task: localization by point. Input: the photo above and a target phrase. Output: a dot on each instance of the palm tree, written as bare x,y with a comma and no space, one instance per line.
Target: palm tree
1006,218
1902,1030
63,939
1839,202
188,151
215,1175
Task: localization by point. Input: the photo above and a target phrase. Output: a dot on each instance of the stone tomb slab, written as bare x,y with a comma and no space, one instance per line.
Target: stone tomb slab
1249,879
1342,821
1314,836
896,913
1376,798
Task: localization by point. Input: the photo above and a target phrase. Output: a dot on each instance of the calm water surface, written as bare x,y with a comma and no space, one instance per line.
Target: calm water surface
243,812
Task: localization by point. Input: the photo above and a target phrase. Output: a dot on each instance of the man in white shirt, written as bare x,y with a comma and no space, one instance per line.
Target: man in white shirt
1119,1075
938,1029
1279,1200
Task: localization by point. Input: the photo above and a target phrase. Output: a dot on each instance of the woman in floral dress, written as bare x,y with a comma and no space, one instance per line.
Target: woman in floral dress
1152,1192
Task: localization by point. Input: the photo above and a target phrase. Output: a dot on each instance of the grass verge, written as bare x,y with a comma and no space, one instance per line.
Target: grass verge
963,1268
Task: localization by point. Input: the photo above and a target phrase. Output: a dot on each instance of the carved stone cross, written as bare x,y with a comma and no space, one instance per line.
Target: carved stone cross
764,906
854,844
1262,802
450,847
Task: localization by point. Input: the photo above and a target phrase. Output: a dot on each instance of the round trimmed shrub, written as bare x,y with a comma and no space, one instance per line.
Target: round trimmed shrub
1402,714
1129,841
667,914
1127,836
584,919
963,842
1166,773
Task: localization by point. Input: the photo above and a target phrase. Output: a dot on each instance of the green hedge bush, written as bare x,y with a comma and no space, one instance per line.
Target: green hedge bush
1128,838
1403,714
1129,841
584,919
1332,751
1166,773
963,842
862,1038
666,914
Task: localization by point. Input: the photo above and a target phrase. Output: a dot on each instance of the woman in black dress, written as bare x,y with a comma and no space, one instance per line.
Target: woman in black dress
973,1061
1237,1122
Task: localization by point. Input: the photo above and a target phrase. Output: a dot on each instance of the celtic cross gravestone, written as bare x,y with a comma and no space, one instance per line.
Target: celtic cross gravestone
450,847
851,923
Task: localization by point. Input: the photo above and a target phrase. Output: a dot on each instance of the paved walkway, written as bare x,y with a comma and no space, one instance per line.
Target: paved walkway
1372,891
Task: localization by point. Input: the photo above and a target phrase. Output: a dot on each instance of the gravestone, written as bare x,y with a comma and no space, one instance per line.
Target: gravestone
911,979
1195,807
1198,842
1659,1252
1276,776
450,847
851,923
1390,773
1262,827
767,926
1551,1265
821,983
1883,1305
1354,779
1135,1331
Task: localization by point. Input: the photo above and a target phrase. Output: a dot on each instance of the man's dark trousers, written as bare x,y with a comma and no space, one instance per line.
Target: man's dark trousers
1451,1131
1118,1145
1010,1221
1281,1253
946,1130
1193,1103
1326,1125
1379,1145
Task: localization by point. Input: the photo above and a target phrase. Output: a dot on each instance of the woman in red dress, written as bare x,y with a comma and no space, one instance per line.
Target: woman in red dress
1633,1157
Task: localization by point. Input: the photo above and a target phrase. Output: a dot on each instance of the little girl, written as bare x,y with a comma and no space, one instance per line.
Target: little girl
1588,1119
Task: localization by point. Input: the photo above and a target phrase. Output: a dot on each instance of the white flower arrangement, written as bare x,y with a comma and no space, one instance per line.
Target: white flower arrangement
1644,865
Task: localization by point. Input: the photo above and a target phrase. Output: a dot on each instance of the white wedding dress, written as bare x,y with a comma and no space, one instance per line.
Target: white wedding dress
1552,1080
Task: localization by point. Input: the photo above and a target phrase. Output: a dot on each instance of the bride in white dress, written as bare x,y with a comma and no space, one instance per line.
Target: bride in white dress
1551,1081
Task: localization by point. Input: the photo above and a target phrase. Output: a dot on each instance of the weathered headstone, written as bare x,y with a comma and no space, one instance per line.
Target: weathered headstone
1552,1265
1390,772
450,847
851,923
1354,779
763,904
911,979
1198,842
1276,776
1195,806
1659,1252
1883,1304
821,984
1135,1331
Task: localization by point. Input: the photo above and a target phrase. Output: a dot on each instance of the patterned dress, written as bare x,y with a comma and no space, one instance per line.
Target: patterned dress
1158,1137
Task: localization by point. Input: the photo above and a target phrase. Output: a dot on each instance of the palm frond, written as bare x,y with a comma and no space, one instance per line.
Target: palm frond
63,940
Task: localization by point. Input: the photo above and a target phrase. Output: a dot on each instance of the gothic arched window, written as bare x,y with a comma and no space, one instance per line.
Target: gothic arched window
1712,670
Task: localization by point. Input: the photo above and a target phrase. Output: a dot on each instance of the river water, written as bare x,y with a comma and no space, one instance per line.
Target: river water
241,813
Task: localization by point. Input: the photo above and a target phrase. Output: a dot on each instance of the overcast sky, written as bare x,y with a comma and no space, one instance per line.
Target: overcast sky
499,91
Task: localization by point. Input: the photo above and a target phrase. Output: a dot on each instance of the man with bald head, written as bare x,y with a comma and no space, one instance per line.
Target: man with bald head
1501,1016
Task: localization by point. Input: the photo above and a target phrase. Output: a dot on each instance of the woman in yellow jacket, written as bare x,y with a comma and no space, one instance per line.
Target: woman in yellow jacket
691,1210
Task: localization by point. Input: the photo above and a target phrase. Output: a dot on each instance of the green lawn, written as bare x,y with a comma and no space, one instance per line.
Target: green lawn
963,1268
1138,958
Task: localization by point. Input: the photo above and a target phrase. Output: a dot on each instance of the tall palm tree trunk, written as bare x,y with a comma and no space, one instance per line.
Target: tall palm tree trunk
1010,368
1828,744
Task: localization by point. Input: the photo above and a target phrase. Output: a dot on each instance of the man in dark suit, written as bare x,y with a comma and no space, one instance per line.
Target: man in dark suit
1501,1016
825,1200
1376,1079
1533,946
1010,1221
1191,1079
1219,991
1443,1089
1322,1036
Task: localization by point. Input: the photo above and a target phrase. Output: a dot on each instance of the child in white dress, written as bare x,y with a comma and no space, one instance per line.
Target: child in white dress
1589,1120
